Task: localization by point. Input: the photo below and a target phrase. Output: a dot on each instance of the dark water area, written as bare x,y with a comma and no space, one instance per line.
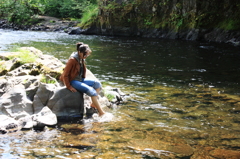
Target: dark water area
184,99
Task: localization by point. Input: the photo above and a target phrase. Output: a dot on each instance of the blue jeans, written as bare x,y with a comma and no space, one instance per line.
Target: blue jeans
86,86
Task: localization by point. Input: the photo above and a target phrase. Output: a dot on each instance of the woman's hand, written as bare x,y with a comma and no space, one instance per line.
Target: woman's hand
72,89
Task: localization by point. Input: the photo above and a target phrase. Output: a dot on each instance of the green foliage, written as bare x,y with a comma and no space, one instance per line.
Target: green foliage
89,15
230,24
112,6
147,22
63,8
110,97
20,11
107,94
163,3
176,20
67,8
24,11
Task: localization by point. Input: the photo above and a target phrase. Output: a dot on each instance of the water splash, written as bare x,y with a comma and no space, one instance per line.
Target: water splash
107,117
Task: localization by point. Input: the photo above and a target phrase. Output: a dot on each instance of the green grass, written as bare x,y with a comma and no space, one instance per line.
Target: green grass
89,15
108,94
110,97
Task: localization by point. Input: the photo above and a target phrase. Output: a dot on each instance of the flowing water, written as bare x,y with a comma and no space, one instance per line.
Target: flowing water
183,100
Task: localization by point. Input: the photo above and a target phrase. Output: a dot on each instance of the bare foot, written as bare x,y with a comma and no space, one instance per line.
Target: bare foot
92,105
101,114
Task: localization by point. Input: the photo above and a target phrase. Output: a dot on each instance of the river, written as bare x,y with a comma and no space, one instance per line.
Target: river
184,100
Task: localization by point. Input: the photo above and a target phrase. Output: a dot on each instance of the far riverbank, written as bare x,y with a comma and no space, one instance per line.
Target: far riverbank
53,24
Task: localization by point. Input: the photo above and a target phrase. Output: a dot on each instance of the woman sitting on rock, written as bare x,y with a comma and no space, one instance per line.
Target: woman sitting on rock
74,76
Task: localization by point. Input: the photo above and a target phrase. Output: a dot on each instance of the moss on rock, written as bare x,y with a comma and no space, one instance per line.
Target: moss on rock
33,60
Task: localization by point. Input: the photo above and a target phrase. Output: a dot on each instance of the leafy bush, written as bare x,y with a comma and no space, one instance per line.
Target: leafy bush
67,8
20,11
89,15
230,24
23,11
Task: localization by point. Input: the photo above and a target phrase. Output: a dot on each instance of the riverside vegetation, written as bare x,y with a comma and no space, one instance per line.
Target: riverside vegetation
185,19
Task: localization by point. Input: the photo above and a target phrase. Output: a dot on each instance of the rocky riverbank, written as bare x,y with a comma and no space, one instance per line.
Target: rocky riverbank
53,24
31,95
210,35
45,23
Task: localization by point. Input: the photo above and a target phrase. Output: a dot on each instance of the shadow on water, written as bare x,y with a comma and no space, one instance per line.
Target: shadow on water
183,100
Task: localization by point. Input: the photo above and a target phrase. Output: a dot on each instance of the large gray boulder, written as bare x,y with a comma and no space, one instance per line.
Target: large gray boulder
65,103
15,103
43,94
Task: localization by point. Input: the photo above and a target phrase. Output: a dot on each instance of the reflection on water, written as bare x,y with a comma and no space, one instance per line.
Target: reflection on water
184,100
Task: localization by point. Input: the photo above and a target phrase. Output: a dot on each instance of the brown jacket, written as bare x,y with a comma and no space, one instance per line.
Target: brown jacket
71,70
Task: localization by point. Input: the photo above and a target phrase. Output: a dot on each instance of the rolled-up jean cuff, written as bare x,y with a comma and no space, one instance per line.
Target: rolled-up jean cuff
97,85
91,92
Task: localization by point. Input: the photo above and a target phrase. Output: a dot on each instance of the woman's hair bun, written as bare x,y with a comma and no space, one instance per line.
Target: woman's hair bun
83,47
78,45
